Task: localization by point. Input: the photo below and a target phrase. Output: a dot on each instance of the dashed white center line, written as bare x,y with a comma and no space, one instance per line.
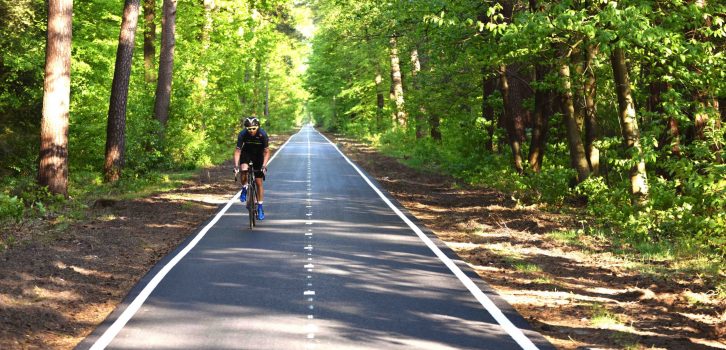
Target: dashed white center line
309,292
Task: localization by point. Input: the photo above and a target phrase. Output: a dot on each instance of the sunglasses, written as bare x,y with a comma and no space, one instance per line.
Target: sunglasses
252,128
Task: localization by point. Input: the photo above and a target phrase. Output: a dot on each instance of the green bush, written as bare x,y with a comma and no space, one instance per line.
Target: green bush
11,208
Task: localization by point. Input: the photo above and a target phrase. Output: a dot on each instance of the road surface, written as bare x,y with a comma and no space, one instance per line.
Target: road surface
337,264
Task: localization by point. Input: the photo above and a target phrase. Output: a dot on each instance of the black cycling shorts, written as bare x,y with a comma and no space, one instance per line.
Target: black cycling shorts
256,163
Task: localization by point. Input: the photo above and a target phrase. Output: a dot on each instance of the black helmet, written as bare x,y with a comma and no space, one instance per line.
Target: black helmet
251,121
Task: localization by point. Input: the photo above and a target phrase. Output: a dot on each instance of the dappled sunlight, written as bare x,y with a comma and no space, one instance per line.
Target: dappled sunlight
196,198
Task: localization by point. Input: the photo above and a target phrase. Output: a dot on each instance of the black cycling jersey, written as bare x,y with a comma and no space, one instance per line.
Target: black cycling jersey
252,148
253,145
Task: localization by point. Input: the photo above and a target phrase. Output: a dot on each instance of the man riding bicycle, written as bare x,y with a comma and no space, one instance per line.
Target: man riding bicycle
252,144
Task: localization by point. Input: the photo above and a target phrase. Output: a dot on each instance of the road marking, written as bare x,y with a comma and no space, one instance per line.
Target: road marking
309,292
110,333
483,299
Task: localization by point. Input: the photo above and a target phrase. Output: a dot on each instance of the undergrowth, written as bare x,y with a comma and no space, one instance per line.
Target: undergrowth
683,225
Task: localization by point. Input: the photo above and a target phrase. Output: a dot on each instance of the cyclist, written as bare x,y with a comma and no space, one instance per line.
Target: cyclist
252,144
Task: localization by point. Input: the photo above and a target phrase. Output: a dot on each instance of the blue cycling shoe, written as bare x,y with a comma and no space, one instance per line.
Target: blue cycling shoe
243,195
260,212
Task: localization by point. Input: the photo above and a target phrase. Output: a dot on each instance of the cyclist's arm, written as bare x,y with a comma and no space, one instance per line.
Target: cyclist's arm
237,153
266,155
238,149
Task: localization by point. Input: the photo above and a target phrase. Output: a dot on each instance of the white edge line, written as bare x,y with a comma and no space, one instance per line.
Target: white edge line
135,305
493,310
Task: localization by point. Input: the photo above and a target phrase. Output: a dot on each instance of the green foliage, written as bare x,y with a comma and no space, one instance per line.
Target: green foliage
461,46
10,207
213,88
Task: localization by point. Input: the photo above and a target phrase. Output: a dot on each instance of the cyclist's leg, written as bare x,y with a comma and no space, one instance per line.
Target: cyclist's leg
243,171
260,190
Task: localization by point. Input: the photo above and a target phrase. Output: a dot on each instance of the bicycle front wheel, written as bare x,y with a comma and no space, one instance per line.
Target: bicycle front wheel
251,207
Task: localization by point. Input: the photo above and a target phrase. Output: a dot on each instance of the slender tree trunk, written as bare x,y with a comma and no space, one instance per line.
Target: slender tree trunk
116,127
256,87
435,122
420,116
267,101
591,125
672,135
245,95
542,113
514,142
149,39
166,62
207,28
209,6
700,117
335,114
380,101
397,83
629,126
574,139
489,85
53,165
578,90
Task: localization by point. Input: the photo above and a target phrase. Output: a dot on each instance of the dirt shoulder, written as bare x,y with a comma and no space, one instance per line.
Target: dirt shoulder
570,288
57,285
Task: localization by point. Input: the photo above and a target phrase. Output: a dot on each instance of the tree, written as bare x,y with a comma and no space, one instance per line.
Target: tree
116,127
574,139
591,124
53,167
166,62
397,83
149,39
629,127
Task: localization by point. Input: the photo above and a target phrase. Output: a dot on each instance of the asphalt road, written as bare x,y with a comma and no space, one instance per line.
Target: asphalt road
337,264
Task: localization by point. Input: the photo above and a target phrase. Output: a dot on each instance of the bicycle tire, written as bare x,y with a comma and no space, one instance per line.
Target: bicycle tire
253,210
250,205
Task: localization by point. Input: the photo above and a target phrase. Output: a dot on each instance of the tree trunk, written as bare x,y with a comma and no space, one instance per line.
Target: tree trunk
629,126
166,62
542,113
489,85
591,126
380,101
256,87
149,39
245,96
397,84
514,142
209,6
421,112
267,101
574,139
435,122
53,165
116,127
203,79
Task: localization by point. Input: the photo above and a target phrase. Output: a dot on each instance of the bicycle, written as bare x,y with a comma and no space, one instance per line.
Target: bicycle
251,203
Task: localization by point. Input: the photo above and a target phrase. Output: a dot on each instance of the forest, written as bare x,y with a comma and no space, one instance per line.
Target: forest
614,108
120,92
580,143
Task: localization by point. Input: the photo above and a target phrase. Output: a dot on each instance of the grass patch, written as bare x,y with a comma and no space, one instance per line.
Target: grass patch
53,215
571,237
87,186
603,318
189,205
527,267
521,265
